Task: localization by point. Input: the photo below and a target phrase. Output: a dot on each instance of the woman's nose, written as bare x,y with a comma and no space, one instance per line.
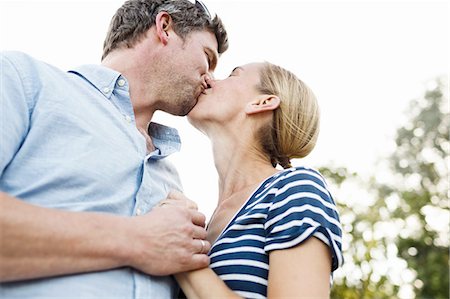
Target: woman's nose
209,81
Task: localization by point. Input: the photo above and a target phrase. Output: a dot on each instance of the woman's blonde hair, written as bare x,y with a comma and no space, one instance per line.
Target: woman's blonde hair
295,126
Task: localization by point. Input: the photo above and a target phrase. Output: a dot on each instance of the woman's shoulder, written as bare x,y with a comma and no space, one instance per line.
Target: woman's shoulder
296,186
300,173
299,188
300,205
297,179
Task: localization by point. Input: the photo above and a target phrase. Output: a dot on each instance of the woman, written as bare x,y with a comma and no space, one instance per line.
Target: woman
274,233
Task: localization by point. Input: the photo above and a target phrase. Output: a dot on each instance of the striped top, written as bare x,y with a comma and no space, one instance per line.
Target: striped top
285,210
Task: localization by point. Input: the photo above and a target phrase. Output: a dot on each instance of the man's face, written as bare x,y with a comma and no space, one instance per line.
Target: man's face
191,61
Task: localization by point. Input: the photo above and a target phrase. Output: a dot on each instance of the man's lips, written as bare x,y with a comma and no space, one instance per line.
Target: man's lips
205,91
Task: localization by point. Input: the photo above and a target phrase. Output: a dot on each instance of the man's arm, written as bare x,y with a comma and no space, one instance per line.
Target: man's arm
39,242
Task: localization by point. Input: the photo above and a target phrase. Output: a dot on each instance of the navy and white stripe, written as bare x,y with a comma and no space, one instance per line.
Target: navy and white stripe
287,209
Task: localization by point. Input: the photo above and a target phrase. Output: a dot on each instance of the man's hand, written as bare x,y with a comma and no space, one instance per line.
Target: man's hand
177,198
39,242
170,238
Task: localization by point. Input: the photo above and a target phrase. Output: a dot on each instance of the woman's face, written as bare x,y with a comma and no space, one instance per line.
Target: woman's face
226,99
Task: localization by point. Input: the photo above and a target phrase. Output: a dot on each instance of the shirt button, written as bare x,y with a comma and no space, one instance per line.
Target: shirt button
127,118
121,82
106,90
138,212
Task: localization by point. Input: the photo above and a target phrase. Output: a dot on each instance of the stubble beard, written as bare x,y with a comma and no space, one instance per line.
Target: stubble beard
183,100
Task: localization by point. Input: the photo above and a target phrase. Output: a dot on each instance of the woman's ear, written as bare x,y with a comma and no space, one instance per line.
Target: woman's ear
263,103
163,25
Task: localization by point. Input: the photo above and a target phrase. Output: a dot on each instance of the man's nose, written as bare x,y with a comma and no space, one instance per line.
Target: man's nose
208,80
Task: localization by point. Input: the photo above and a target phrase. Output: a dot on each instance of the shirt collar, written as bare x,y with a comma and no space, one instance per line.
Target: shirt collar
101,77
165,139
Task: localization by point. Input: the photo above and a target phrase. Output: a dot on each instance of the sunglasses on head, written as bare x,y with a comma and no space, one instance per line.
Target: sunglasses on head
200,5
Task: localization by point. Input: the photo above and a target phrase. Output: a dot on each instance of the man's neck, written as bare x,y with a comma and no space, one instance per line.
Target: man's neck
123,62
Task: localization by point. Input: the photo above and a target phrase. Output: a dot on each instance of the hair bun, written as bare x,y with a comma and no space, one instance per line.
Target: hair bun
285,162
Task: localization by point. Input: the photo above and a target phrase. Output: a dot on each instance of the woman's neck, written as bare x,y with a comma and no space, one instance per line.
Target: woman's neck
241,169
240,166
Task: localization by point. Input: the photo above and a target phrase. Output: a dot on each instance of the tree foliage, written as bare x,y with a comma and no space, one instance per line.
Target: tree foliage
422,163
396,245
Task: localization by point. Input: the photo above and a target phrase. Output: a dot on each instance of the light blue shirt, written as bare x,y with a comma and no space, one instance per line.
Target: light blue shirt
68,141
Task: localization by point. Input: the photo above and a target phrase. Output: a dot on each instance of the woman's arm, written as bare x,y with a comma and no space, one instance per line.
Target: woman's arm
299,272
204,283
302,271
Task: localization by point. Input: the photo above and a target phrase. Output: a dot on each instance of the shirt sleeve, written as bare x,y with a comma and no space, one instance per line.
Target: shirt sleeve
14,111
303,207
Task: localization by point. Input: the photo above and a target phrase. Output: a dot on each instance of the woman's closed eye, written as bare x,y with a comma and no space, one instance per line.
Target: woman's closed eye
234,72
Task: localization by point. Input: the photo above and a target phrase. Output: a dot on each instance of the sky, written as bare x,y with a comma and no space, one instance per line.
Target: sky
365,61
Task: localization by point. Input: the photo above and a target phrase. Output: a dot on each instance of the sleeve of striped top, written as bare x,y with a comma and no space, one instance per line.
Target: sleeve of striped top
303,207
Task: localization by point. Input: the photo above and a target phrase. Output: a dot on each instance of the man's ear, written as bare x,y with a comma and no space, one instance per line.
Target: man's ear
163,25
263,103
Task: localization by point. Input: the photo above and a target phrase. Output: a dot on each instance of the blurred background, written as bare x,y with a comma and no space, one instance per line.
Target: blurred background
380,70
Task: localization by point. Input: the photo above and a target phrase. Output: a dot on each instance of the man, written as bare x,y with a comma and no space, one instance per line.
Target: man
80,177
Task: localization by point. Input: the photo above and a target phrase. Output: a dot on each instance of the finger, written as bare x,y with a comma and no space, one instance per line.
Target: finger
177,195
189,204
199,261
199,233
162,203
205,246
198,218
171,202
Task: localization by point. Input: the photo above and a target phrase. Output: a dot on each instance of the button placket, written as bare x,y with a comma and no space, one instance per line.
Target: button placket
127,118
106,90
121,82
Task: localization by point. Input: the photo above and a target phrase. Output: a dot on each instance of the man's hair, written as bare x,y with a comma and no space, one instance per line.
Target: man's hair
131,21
